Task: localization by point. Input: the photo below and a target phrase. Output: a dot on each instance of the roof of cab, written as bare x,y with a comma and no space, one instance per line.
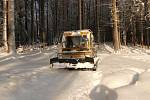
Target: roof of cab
84,30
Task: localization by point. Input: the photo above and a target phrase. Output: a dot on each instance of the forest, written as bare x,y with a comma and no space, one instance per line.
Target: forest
30,22
104,56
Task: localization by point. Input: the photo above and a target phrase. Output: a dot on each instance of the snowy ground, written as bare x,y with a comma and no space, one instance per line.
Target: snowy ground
121,76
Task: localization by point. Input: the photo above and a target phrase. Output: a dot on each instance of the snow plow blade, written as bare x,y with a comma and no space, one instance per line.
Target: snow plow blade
87,63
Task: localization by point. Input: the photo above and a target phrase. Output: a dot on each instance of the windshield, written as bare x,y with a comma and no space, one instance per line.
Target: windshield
76,42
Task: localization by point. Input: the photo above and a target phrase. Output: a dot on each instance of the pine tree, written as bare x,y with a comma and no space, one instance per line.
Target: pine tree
42,21
80,14
5,3
11,28
115,26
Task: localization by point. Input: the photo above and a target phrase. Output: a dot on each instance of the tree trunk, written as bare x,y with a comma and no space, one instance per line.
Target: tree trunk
80,14
55,25
11,28
42,22
147,33
32,20
142,24
26,31
37,23
98,20
134,32
115,26
5,7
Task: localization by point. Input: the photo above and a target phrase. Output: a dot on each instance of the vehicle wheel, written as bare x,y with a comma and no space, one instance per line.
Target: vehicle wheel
95,66
51,65
94,69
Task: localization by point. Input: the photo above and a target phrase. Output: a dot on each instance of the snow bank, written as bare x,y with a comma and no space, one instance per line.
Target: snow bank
139,91
3,54
109,48
127,50
144,58
120,79
138,70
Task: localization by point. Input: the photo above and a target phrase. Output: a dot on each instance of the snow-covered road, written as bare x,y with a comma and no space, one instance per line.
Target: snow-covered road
118,77
29,77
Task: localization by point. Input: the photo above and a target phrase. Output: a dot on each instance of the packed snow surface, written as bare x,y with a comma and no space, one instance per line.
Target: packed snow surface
120,76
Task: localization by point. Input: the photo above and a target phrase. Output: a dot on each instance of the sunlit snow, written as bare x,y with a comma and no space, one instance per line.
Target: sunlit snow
119,76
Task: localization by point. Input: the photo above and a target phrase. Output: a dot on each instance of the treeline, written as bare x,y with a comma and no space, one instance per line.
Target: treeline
43,21
134,21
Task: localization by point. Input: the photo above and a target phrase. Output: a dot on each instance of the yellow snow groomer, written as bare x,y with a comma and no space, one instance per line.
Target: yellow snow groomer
76,51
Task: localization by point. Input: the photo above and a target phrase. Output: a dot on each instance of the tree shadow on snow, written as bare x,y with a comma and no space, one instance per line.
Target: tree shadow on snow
102,92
